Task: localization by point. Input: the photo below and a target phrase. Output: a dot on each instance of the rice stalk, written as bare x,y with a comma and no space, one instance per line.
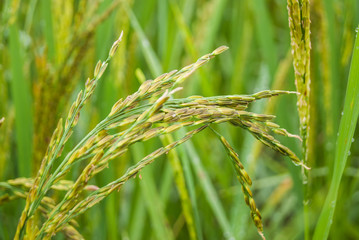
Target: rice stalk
299,25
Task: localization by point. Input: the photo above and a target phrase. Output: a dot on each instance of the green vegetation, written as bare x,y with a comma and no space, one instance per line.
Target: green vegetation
93,149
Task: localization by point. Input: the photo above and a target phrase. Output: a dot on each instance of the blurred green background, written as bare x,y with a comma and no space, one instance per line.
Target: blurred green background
49,48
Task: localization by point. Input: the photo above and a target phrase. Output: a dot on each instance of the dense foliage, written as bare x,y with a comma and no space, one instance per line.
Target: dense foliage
50,48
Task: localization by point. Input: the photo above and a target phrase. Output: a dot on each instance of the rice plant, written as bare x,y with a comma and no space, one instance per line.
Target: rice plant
147,113
204,152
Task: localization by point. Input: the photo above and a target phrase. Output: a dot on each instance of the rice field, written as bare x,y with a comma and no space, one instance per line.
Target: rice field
207,119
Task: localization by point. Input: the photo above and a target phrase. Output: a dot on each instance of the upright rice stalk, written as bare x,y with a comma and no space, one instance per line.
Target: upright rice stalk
299,25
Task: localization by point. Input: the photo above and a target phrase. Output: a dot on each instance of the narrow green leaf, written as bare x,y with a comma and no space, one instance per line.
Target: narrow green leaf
21,95
265,34
30,15
155,207
214,25
162,27
139,217
181,187
48,29
152,200
175,49
191,189
209,190
347,127
150,55
335,81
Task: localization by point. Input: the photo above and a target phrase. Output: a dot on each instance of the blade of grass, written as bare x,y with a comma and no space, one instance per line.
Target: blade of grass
209,190
155,207
167,176
241,57
184,29
152,200
346,131
335,80
21,95
139,218
149,54
30,14
214,25
191,189
356,11
182,188
5,124
48,30
327,82
162,27
265,34
175,49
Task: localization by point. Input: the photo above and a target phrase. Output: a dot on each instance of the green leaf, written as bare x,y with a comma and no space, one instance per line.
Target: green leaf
347,127
21,95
